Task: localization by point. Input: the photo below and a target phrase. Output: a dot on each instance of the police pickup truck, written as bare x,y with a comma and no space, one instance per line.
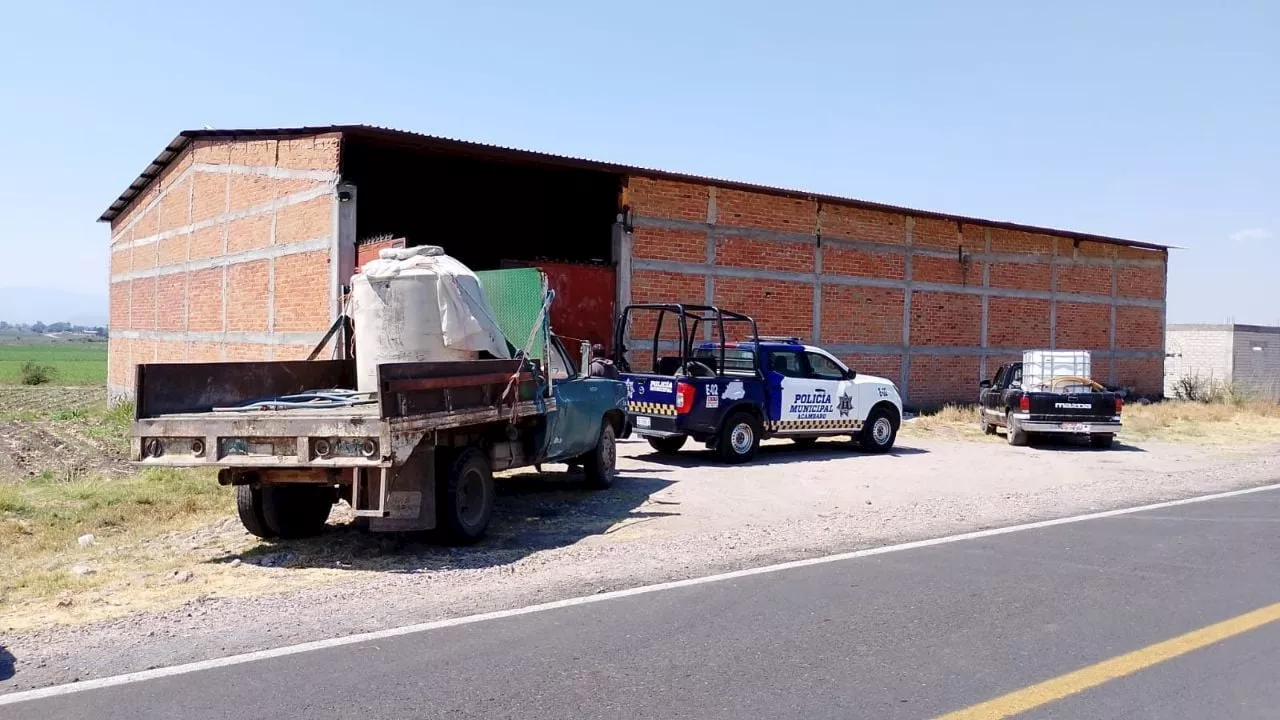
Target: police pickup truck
730,394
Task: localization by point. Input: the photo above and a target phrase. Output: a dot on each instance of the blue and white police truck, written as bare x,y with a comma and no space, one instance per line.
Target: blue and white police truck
709,376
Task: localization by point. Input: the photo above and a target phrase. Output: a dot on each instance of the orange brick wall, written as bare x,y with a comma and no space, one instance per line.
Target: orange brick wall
894,295
224,256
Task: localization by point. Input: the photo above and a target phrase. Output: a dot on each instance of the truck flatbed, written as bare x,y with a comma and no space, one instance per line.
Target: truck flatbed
180,426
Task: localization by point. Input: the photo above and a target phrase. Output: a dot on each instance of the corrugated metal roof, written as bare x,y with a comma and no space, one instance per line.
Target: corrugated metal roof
508,154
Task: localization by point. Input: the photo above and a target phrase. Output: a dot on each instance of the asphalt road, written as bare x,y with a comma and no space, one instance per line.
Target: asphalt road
911,634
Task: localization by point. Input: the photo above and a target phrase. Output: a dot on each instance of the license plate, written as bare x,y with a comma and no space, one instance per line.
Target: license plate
642,421
1075,427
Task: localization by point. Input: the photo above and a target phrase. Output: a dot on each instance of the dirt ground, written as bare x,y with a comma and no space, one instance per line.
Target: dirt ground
65,431
219,592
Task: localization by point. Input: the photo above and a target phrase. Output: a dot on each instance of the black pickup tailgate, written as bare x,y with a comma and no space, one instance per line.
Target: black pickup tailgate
1072,407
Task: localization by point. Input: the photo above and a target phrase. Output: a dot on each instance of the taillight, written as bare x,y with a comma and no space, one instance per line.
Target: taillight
1119,405
684,397
1024,404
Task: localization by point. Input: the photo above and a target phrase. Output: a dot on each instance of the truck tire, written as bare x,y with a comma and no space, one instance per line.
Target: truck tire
1014,434
988,428
1102,442
249,507
805,442
296,510
739,438
668,445
464,495
879,432
601,464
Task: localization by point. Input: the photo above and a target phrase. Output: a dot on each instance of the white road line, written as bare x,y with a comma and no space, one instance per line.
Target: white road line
184,669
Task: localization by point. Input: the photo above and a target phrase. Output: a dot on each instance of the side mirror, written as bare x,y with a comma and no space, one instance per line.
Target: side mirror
984,384
585,365
851,374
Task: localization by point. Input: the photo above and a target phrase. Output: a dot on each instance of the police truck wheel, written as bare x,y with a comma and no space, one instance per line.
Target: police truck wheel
1102,442
464,495
600,465
879,432
667,445
739,438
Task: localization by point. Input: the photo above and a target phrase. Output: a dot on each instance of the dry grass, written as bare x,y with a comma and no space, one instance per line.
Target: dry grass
952,421
1220,423
41,520
1245,421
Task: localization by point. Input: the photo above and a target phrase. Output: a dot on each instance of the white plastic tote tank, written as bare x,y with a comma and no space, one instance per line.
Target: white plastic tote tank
419,305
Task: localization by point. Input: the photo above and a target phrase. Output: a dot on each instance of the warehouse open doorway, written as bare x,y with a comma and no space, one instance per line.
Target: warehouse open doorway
493,208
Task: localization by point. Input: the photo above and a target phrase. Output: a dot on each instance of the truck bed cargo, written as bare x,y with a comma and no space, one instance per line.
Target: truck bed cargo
414,450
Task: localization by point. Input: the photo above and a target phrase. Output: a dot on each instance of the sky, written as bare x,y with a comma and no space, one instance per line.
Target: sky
1154,121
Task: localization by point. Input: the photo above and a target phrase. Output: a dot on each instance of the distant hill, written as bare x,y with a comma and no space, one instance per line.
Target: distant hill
29,305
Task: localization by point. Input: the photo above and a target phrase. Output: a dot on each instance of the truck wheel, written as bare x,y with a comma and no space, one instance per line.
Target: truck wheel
739,438
1102,442
1014,434
249,506
879,432
296,510
465,496
601,465
668,445
805,442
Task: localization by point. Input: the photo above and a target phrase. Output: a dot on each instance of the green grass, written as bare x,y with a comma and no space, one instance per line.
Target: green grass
74,363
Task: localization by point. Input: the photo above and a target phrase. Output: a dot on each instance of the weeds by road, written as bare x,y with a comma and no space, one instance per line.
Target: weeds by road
1215,423
42,520
1243,421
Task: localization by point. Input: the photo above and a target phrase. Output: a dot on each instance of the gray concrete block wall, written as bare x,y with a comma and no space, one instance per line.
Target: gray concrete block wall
1256,361
1204,351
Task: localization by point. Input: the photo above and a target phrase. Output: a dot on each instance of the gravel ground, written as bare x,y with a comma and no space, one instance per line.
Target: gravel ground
667,518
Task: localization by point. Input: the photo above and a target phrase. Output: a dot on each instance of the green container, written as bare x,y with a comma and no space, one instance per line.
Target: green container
516,297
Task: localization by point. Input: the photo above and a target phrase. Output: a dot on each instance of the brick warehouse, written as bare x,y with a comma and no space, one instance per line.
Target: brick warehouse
236,244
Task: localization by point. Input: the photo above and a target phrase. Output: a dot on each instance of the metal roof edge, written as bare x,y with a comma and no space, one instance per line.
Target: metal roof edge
373,132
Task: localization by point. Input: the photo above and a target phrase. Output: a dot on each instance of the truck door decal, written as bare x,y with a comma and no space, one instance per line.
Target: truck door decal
806,400
813,401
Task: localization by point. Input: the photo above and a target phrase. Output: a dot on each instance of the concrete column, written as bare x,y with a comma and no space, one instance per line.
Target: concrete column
709,280
905,376
986,300
622,262
1053,297
343,254
1115,285
817,282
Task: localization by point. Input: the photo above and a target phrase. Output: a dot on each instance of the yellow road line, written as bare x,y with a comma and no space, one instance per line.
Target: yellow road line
1042,693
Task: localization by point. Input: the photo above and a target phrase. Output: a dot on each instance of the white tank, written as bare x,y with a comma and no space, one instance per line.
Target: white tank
419,305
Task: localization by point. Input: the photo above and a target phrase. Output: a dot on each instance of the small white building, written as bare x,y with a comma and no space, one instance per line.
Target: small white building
1245,356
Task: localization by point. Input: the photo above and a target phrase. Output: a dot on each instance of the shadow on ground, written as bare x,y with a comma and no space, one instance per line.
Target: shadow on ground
695,455
1071,443
7,663
533,512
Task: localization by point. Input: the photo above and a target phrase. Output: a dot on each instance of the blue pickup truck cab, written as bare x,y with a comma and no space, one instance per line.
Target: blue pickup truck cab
732,393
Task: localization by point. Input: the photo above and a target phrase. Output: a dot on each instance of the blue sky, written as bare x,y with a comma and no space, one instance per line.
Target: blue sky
1156,121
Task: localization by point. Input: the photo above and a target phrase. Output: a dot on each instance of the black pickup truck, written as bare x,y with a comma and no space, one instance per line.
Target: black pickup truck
1004,403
